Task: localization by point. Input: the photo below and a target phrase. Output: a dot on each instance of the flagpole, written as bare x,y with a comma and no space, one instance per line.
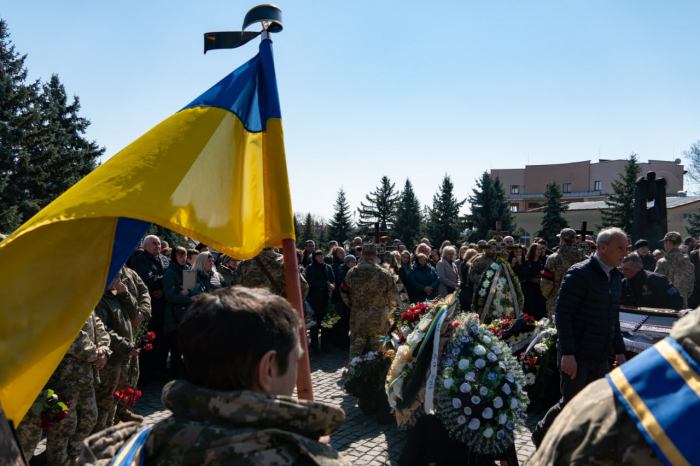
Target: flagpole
291,275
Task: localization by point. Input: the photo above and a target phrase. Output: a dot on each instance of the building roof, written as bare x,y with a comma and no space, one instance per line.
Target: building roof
671,202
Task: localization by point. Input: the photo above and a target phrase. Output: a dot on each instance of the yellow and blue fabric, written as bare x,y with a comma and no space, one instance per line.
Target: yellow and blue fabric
132,453
214,171
660,389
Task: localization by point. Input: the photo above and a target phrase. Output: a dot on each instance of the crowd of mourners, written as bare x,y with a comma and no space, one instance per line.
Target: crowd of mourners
174,314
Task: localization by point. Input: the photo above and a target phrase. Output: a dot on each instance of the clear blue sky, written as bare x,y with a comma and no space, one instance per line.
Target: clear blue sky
404,89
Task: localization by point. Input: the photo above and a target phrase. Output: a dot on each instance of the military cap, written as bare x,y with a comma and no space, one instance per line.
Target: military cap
641,243
369,248
567,234
673,236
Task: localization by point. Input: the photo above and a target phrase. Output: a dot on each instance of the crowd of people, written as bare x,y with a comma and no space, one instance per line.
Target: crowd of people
174,313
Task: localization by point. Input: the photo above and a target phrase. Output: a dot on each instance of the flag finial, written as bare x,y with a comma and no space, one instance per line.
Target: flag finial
269,16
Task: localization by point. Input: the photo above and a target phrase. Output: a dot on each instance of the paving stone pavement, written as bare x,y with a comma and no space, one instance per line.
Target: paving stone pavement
360,439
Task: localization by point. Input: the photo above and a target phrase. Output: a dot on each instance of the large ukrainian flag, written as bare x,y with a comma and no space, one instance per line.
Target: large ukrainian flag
215,171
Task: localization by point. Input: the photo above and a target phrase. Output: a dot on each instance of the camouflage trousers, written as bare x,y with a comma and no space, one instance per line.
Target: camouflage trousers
112,378
64,440
367,326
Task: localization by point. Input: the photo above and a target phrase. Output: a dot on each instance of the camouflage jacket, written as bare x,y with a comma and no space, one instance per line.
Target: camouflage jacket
8,445
554,270
249,274
115,311
74,372
594,427
210,427
679,270
368,286
137,288
479,266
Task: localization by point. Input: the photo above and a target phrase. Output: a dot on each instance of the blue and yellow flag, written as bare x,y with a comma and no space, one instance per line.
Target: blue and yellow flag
215,171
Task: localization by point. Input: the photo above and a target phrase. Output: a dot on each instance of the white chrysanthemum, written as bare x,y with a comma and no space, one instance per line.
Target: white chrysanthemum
519,387
496,350
540,348
463,364
530,378
506,389
448,383
461,420
474,424
494,265
476,400
492,357
551,331
489,273
510,377
514,403
482,292
465,388
488,413
498,402
467,411
487,340
371,356
502,419
355,360
470,377
479,350
480,363
487,283
457,403
488,432
483,391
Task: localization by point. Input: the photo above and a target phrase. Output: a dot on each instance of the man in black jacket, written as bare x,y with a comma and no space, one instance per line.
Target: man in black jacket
588,321
151,265
641,288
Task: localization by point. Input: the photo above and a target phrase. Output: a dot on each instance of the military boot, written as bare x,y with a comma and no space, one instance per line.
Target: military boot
128,416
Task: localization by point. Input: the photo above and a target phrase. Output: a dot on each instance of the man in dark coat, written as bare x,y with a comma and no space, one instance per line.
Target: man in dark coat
641,288
587,316
151,266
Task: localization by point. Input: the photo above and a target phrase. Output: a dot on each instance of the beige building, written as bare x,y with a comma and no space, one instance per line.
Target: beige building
580,181
678,210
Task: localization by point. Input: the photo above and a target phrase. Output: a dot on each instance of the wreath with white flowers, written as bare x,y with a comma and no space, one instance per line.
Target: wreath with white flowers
499,293
479,394
538,361
364,374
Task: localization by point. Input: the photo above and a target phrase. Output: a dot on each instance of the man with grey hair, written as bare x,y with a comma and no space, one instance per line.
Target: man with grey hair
641,288
509,241
587,317
151,266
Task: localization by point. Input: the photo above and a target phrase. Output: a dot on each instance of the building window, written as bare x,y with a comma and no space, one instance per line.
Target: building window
533,205
597,186
567,187
514,189
514,207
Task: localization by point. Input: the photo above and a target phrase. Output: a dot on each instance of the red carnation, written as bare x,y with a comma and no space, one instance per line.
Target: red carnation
345,371
118,395
131,403
137,395
405,316
533,361
60,415
148,347
362,356
128,391
455,324
150,336
422,306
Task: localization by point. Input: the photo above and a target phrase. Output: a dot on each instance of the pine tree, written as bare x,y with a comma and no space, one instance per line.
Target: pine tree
308,231
381,207
488,206
340,226
693,228
620,204
18,116
444,222
409,220
552,220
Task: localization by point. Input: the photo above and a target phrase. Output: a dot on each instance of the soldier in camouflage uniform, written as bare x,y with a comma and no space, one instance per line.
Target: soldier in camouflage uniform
11,453
251,275
115,309
72,379
556,267
236,406
595,428
677,267
367,291
136,287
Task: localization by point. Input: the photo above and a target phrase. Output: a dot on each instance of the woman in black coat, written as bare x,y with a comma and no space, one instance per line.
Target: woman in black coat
320,277
535,303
